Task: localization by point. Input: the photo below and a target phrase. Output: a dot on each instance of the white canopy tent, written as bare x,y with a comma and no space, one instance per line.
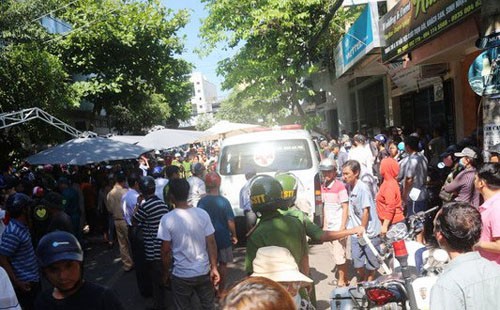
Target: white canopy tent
84,151
224,129
127,139
168,138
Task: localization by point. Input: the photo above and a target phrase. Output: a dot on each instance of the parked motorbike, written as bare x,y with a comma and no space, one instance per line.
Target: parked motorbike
404,285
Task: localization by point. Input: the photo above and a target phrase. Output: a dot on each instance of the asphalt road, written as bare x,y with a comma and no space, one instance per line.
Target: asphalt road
102,265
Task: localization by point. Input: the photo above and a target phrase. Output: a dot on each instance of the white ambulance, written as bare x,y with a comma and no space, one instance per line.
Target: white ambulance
267,151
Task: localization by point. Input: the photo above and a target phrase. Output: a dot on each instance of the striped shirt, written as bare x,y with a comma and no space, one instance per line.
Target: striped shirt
148,216
16,245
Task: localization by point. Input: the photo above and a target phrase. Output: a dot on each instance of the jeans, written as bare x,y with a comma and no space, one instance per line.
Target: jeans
183,288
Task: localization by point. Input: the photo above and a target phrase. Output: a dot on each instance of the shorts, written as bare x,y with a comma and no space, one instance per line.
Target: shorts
413,207
338,248
362,256
225,255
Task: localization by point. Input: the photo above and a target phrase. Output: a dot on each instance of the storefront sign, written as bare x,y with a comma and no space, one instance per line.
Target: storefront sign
484,73
411,79
412,22
361,38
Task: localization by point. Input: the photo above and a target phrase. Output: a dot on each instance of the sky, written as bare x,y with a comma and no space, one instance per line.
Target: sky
208,64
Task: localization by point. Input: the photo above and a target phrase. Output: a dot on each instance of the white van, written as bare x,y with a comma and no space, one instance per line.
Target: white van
269,151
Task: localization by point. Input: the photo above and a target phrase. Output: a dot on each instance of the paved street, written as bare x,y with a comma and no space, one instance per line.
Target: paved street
103,265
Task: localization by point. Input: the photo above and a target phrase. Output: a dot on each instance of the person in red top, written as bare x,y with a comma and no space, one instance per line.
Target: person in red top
388,199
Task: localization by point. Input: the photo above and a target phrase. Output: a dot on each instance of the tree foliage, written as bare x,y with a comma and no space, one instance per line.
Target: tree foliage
280,44
121,56
30,75
125,52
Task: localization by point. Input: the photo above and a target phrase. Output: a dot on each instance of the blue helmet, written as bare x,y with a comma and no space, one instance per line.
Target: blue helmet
157,171
381,138
57,246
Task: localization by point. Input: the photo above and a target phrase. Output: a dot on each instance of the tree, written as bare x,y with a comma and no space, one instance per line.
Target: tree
125,52
280,44
204,121
252,110
30,75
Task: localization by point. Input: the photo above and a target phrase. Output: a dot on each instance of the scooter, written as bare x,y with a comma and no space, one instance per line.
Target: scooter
408,284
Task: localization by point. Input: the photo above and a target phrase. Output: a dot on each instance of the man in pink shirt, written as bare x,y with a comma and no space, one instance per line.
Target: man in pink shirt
487,182
335,210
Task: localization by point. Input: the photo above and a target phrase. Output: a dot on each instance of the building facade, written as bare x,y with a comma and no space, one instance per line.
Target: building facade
415,75
204,94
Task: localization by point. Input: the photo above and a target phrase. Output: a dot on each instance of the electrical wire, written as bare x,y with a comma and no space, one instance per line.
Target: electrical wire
90,23
53,11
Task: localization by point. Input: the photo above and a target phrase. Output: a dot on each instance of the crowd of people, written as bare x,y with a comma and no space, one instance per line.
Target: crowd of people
177,232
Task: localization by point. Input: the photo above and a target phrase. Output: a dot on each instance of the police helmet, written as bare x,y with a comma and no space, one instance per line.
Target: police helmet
289,183
57,246
266,194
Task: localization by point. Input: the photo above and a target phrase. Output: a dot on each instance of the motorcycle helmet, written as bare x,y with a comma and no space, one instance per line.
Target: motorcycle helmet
327,164
289,183
212,180
266,194
157,171
381,138
198,169
147,185
57,246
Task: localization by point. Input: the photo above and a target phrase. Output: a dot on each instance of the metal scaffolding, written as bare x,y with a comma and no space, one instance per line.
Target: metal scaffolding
15,118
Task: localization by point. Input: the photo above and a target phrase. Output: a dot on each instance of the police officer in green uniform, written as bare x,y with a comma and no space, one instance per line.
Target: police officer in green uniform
273,227
289,183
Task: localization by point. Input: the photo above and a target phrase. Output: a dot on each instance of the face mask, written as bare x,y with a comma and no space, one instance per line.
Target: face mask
461,163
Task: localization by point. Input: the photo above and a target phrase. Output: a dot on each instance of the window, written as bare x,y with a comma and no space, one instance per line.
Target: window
268,156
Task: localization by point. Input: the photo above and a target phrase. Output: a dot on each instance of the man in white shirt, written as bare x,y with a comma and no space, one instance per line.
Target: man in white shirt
187,236
197,189
468,281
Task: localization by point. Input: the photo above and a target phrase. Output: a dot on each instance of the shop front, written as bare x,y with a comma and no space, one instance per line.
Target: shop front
428,48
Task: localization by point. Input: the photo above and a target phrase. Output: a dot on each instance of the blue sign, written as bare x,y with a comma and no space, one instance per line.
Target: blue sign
359,35
361,38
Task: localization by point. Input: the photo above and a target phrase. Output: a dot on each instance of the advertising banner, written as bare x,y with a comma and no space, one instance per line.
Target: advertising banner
361,38
412,22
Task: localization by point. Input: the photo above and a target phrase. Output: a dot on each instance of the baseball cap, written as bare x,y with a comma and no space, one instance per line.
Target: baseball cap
467,152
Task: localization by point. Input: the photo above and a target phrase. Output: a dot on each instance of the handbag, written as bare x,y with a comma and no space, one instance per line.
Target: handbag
445,196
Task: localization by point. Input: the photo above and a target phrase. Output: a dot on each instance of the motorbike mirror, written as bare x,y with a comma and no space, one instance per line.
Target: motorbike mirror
414,194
